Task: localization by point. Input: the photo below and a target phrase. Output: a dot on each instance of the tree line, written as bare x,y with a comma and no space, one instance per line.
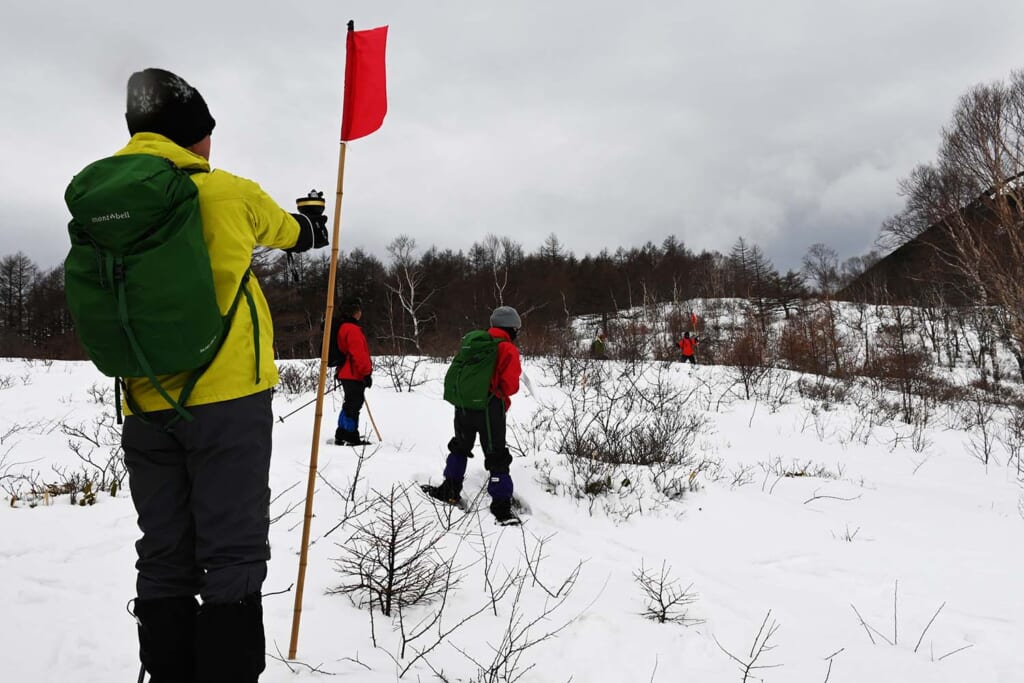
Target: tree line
421,301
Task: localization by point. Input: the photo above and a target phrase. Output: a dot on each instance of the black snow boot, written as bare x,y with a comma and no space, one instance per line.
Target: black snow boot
230,645
167,636
449,492
343,437
502,511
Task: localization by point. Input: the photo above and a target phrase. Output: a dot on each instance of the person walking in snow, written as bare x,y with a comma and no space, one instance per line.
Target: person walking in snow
598,347
201,485
354,374
503,370
688,346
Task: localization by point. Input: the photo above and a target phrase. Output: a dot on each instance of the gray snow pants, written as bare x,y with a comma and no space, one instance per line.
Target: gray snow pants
202,494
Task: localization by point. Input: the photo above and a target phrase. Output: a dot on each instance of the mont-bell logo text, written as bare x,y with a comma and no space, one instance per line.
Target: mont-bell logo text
113,216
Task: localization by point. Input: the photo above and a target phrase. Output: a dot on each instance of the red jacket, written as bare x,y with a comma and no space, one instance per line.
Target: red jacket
352,342
687,346
507,370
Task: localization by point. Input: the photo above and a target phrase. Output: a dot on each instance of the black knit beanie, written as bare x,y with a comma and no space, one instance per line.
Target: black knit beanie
350,305
161,102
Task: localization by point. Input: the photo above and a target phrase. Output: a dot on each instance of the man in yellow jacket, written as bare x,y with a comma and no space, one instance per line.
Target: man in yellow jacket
201,487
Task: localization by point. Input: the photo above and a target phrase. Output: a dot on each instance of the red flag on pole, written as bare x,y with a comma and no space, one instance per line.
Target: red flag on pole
366,95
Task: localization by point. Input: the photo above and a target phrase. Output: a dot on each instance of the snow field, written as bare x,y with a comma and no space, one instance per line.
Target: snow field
934,521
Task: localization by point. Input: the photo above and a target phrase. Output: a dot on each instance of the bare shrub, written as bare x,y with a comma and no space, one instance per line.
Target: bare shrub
353,494
393,559
1011,435
623,441
826,391
566,362
775,390
750,665
632,340
919,441
299,377
900,362
739,475
809,343
629,445
894,640
666,601
747,354
403,371
508,656
79,485
98,446
505,662
795,469
100,393
978,419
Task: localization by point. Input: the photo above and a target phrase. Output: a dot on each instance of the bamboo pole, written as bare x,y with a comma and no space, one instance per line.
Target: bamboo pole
311,484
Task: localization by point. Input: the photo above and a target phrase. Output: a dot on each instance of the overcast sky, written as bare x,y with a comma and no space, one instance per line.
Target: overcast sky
608,124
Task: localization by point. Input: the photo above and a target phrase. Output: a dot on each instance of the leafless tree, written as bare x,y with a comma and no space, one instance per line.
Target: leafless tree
667,601
499,255
406,297
393,559
969,200
821,267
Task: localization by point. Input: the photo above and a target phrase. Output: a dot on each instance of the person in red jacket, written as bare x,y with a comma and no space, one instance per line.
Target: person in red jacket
354,374
688,345
489,424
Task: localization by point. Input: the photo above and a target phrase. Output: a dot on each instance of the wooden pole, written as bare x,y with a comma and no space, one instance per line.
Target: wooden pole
325,345
366,404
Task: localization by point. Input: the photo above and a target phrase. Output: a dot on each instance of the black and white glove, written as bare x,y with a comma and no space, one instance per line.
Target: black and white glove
312,222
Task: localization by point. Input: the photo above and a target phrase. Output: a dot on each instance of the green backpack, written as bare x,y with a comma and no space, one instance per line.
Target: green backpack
467,384
138,280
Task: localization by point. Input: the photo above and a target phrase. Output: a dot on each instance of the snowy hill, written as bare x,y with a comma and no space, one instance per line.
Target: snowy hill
881,551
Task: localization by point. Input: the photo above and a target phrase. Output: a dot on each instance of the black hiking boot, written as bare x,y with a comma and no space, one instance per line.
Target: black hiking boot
503,514
343,437
447,493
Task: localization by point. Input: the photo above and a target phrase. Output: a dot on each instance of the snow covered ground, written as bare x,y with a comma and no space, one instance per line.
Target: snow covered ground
890,527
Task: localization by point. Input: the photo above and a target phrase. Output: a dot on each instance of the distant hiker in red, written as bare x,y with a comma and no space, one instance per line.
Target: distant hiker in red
484,374
354,374
688,345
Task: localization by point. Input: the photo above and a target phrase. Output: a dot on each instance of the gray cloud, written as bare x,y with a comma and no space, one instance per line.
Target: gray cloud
786,123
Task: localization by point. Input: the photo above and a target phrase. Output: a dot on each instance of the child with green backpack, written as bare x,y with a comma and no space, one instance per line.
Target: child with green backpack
480,382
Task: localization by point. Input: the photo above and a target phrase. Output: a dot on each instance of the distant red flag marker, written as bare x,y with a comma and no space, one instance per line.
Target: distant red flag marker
366,95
